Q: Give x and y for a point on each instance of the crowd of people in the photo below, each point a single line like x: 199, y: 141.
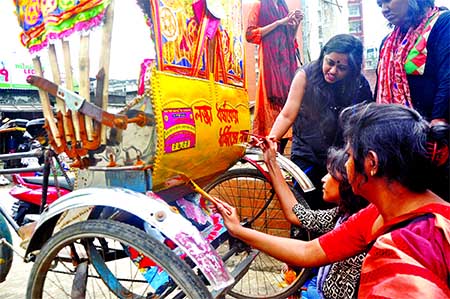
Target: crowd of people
x: 382, y: 158
x: 405, y: 228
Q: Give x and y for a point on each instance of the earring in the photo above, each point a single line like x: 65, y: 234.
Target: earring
x: 372, y: 172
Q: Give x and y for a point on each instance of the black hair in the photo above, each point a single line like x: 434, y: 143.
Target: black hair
x: 348, y: 87
x: 417, y: 9
x: 344, y: 44
x: 401, y: 139
x: 349, y: 203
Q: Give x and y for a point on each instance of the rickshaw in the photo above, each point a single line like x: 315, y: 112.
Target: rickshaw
x: 11, y: 136
x: 139, y: 223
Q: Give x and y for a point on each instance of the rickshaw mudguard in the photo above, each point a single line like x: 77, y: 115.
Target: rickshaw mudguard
x: 6, y: 253
x: 78, y: 205
x: 255, y: 154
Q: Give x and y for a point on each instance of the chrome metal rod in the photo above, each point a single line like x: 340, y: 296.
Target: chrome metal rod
x: 21, y: 169
x: 14, y: 156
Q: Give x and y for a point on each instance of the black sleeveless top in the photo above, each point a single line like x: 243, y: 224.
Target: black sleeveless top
x: 316, y: 127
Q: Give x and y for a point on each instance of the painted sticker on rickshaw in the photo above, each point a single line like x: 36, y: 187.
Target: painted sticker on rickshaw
x: 179, y: 129
x: 196, y: 209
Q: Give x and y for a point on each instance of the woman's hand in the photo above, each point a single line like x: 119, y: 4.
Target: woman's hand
x: 269, y: 146
x: 295, y: 17
x: 283, y: 21
x: 229, y: 215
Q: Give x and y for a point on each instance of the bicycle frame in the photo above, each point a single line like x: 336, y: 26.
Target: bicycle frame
x: 81, y: 205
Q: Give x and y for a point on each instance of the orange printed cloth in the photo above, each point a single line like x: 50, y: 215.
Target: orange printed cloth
x: 410, y: 262
x: 277, y: 62
x: 403, y: 54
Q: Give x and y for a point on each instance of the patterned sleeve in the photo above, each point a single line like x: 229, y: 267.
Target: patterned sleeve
x: 253, y: 32
x: 319, y: 221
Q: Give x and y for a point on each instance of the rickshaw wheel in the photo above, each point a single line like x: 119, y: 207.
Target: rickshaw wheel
x: 252, y: 194
x: 90, y: 259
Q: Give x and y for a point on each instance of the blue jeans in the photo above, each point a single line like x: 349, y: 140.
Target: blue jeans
x: 311, y: 289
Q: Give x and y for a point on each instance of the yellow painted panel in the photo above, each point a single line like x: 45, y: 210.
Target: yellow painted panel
x: 201, y: 125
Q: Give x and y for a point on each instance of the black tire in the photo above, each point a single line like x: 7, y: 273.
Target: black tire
x: 53, y: 270
x: 249, y: 191
x: 6, y: 253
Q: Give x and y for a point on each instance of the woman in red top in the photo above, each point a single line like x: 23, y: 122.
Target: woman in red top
x: 392, y: 150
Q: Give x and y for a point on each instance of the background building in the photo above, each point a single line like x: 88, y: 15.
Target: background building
x: 326, y: 18
x: 323, y: 19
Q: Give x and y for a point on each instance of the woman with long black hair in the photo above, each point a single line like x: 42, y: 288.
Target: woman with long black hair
x: 319, y: 91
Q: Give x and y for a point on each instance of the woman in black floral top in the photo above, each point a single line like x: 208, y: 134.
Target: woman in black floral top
x: 338, y: 280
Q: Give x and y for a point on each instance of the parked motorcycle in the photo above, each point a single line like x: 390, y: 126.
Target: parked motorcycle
x: 29, y: 180
x: 28, y: 192
x: 11, y: 136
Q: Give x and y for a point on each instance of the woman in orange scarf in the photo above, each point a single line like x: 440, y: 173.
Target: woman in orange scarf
x: 413, y: 68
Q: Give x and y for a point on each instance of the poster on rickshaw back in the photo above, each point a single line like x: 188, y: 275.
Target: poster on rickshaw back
x: 198, y: 88
x: 179, y: 129
x: 182, y: 30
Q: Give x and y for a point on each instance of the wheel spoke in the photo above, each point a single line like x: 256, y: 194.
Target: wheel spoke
x: 107, y: 276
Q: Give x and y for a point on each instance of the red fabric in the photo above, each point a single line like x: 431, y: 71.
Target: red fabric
x: 393, y: 87
x: 351, y: 237
x: 356, y: 232
x: 412, y: 260
x: 278, y: 56
x: 277, y: 63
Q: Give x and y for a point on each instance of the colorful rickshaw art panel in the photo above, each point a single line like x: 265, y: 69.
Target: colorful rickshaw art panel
x: 196, y: 38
